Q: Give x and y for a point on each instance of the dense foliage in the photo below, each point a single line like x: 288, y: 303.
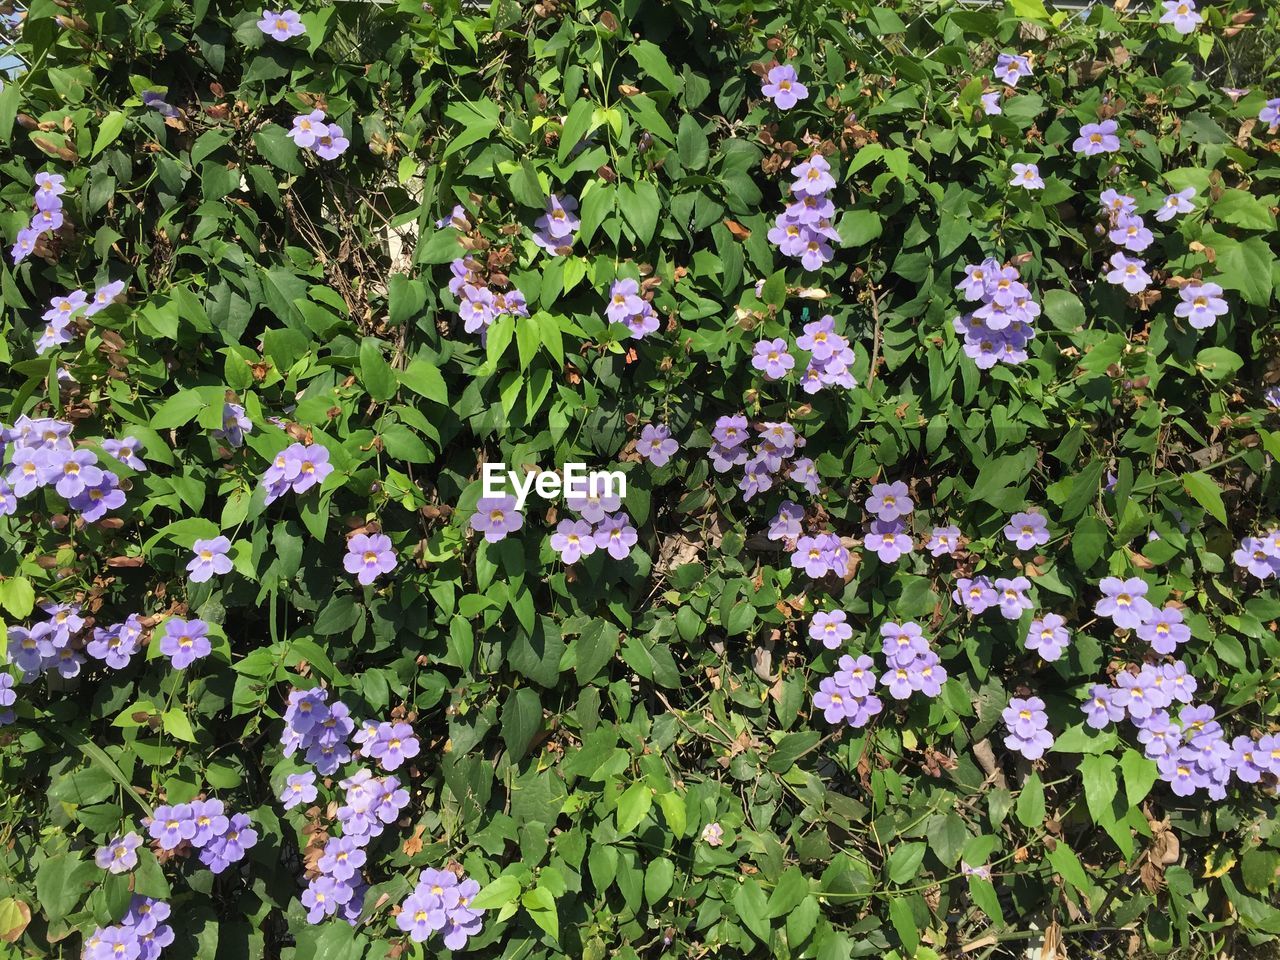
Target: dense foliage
x: 935, y: 345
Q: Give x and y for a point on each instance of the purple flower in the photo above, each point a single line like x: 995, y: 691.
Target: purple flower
x: 830, y: 628
x: 1027, y: 176
x: 120, y: 855
x: 209, y: 559
x: 49, y: 189
x: 772, y: 359
x: 902, y: 643
x: 185, y: 641
x: 308, y: 128
x: 24, y: 245
x: 1048, y: 636
x: 230, y: 847
x: 127, y: 451
x: 1027, y: 724
x: 1164, y: 630
x: 943, y: 540
x: 1027, y: 530
x: 976, y: 594
x: 555, y: 229
x: 1096, y: 138
x: 342, y: 859
x: 890, y: 501
x: 656, y: 444
x: 888, y: 540
x: 496, y: 517
x: 332, y: 143
x: 1133, y: 693
x: 1201, y: 304
x: 155, y: 100
x: 1101, y: 709
x: 323, y: 896
x: 1182, y: 15
x: 783, y: 87
x: 368, y: 556
x: 1248, y: 765
x: 1010, y: 68
x: 624, y: 301
x: 1179, y: 770
x: 1131, y: 233
x: 7, y: 697
x: 1253, y: 556
x: 117, y: 644
x: 282, y: 25
x: 75, y: 471
x: 1128, y: 272
x: 810, y: 557
x: 616, y: 535
x: 1117, y: 204
x: 234, y: 425
x: 1124, y: 601
x: 1270, y: 114
x: 145, y: 915
x: 170, y: 825
x: 786, y: 524
x: 46, y: 221
x: 114, y: 943
x: 210, y: 821
x: 991, y: 103
x: 298, y: 788
x: 813, y: 177
x: 1011, y: 595
x: 93, y: 502
x: 573, y: 540
x: 393, y: 744
x: 1176, y: 203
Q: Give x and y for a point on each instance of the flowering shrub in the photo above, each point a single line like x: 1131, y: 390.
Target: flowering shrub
x: 935, y: 346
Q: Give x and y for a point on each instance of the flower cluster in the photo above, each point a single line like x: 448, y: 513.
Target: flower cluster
x: 58, y: 327
x: 48, y: 645
x: 1007, y: 594
x: 115, y: 645
x: 297, y: 467
x: 1027, y: 723
x: 339, y: 886
x: 913, y: 666
x: 892, y: 506
x: 221, y: 839
x: 830, y: 356
x: 820, y: 555
x: 141, y: 933
x: 612, y: 532
x: 319, y: 728
x: 441, y: 902
x: 312, y: 132
x: 774, y: 453
x: 554, y: 231
x: 479, y: 305
x: 371, y: 803
x: 391, y: 744
x: 848, y: 695
x: 41, y: 454
x: 803, y: 230
x: 48, y: 216
x: 999, y: 330
x: 1260, y: 555
x: 628, y: 307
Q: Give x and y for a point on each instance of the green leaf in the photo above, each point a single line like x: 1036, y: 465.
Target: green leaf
x: 691, y: 143
x: 375, y: 373
x: 904, y: 862
x: 277, y: 149
x: 593, y: 648
x: 654, y: 64
x: 633, y: 806
x: 1030, y: 808
x: 791, y: 889
x: 1029, y: 10
x: 177, y: 725
x: 180, y: 409
x: 61, y: 882
x: 753, y: 909
x: 1207, y: 493
x: 640, y: 207
x: 108, y: 131
x: 1217, y: 363
x: 502, y: 891
x: 525, y: 186
x: 1098, y: 771
x: 423, y: 378
x: 18, y: 596
x: 1139, y: 776
x: 521, y: 720
x: 657, y: 880
x: 576, y: 126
